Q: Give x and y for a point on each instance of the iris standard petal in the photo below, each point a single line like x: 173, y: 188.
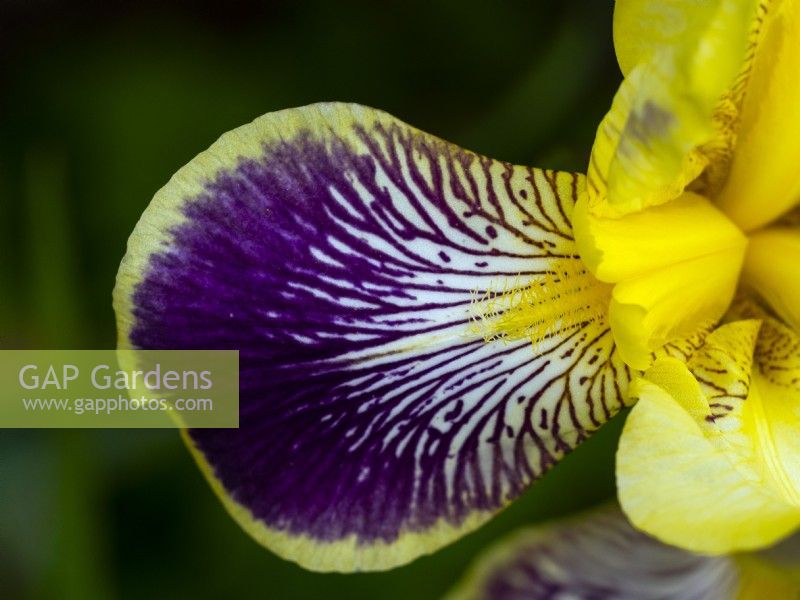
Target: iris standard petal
x: 649, y: 146
x: 635, y: 162
x: 641, y: 27
x: 343, y: 253
x: 764, y: 181
x: 598, y: 555
x: 697, y: 465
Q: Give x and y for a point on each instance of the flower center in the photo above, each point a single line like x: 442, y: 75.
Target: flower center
x: 567, y: 297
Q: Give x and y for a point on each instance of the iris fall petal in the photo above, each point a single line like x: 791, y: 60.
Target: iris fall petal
x: 341, y: 252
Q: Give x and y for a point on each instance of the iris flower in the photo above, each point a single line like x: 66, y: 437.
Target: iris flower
x: 424, y: 331
x: 600, y: 555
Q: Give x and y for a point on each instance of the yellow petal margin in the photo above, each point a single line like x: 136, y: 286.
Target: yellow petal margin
x: 647, y: 148
x: 705, y: 459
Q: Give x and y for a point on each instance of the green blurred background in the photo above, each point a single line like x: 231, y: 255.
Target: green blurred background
x: 99, y: 104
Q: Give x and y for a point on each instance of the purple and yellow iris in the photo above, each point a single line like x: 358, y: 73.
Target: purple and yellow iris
x: 342, y: 253
x: 423, y: 332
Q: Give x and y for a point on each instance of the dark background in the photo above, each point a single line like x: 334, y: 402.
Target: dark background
x: 99, y: 104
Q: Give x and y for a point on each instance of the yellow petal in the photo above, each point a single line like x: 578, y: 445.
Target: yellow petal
x: 697, y: 481
x: 641, y: 27
x: 676, y: 486
x: 650, y: 310
x: 758, y: 415
x: 764, y: 181
x: 772, y: 268
x: 642, y: 242
x: 774, y: 422
x: 644, y: 151
x: 647, y: 147
x: 778, y: 355
x: 676, y: 267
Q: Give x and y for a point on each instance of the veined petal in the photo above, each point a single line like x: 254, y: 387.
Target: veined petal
x: 648, y: 147
x: 597, y: 555
x: 341, y: 251
x: 771, y: 268
x: 761, y: 431
x: 778, y: 355
x: 697, y: 464
x: 764, y: 181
